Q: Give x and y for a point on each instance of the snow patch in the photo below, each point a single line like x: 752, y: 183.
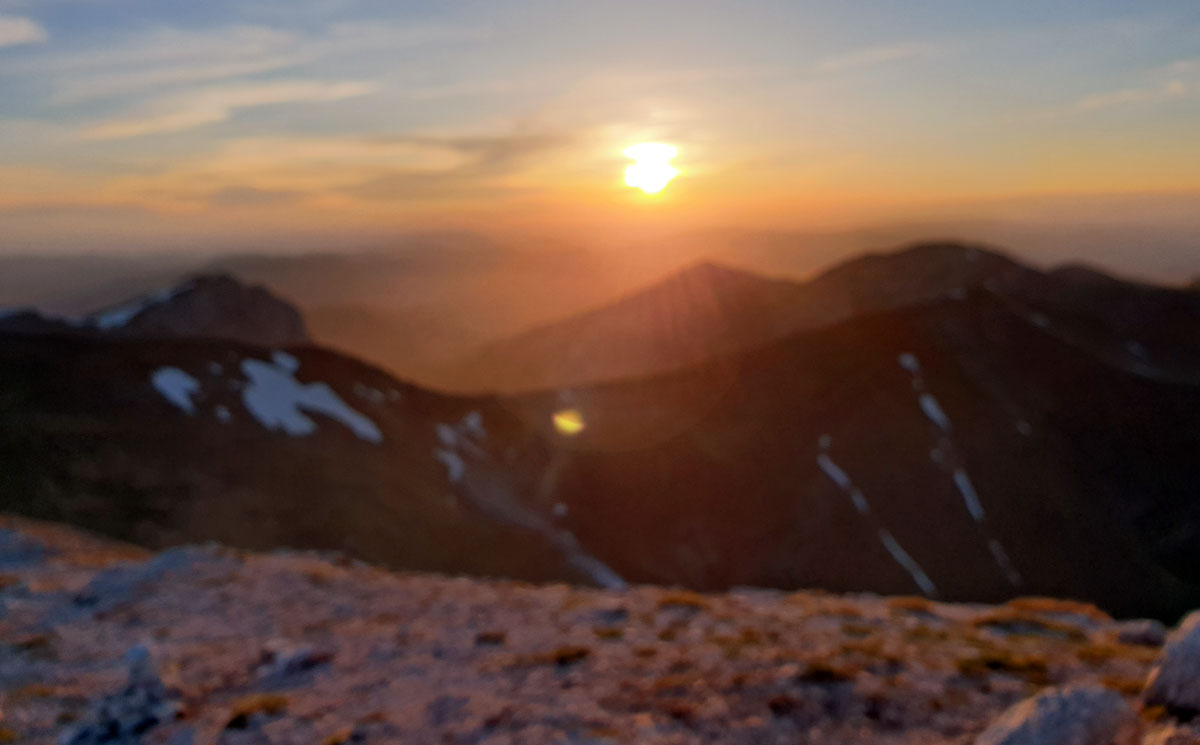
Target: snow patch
x: 933, y: 410
x: 369, y: 394
x: 473, y: 424
x: 969, y: 495
x: 560, y: 510
x: 224, y: 416
x: 825, y: 442
x: 456, y: 468
x: 216, y: 368
x: 285, y: 361
x: 910, y: 565
x: 177, y: 387
x: 910, y: 362
x: 118, y: 317
x: 278, y: 401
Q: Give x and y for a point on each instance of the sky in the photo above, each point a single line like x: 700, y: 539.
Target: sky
x: 143, y: 124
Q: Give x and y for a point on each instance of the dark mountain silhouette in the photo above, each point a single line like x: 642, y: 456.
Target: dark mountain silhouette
x: 709, y: 309
x: 1008, y: 435
x: 161, y: 442
x: 207, y: 306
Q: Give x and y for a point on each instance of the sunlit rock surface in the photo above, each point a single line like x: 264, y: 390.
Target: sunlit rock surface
x: 209, y: 645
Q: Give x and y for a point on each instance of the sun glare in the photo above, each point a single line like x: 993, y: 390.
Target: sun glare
x: 569, y: 422
x: 651, y: 170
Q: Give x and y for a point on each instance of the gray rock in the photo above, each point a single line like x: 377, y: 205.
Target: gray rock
x: 124, y: 717
x: 1066, y: 716
x: 1144, y: 632
x: 1175, y: 683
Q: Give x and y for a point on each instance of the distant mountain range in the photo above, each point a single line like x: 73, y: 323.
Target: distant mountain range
x: 709, y: 310
x: 942, y: 420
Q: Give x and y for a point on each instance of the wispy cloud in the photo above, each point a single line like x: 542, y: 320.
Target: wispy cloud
x: 874, y: 56
x: 213, y: 105
x: 482, y: 162
x: 16, y: 30
x: 169, y: 57
x: 1176, y: 81
x: 163, y: 58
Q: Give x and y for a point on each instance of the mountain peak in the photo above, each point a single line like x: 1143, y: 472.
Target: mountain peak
x: 949, y: 251
x: 210, y: 306
x: 711, y: 271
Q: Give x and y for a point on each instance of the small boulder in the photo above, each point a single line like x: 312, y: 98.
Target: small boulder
x: 1066, y: 716
x: 1175, y: 682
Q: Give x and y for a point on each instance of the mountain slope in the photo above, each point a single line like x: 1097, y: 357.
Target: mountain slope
x: 980, y: 446
x: 957, y: 446
x: 709, y: 310
x: 161, y: 442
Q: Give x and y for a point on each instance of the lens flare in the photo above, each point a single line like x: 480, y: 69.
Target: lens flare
x: 651, y: 170
x: 569, y: 422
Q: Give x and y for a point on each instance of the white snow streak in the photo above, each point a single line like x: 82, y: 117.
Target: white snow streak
x: 933, y: 410
x: 118, y: 317
x: 910, y: 362
x: 970, y: 497
x: 834, y: 472
x: 278, y: 401
x: 910, y: 565
x: 844, y: 482
x: 1005, y: 563
x: 177, y: 387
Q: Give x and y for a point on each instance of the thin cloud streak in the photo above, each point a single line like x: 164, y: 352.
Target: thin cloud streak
x: 215, y: 105
x: 874, y: 56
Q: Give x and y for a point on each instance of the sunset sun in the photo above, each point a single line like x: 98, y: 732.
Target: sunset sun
x: 651, y: 170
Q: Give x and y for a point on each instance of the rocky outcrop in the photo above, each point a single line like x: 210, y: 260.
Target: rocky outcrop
x: 211, y: 307
x: 302, y: 648
x: 1175, y: 683
x: 1070, y: 716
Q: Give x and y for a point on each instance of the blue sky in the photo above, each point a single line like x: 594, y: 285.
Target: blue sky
x: 383, y: 115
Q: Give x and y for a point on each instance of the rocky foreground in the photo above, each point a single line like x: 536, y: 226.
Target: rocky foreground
x: 100, y: 643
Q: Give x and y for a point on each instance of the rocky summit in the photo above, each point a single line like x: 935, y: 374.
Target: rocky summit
x: 108, y: 644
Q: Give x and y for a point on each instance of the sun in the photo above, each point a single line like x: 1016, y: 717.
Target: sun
x: 651, y: 170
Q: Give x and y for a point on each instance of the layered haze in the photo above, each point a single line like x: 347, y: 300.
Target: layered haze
x: 315, y: 125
